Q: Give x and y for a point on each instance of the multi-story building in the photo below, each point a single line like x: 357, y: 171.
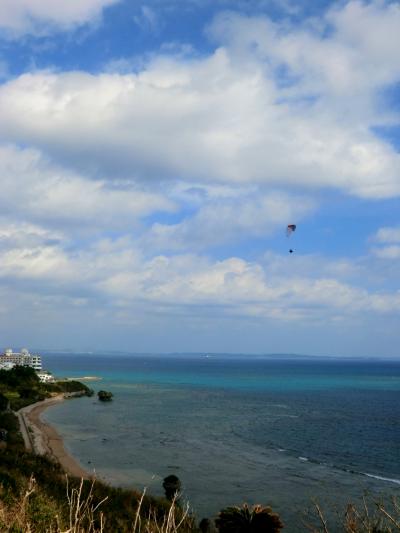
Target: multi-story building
x: 10, y: 358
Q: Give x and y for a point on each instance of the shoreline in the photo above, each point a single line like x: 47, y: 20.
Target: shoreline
x: 43, y: 439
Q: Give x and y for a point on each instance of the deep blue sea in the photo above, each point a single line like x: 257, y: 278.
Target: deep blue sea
x: 272, y: 430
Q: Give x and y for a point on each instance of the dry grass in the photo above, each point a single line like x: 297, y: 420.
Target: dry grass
x: 370, y: 517
x: 83, y: 513
x: 15, y: 515
x: 84, y: 516
x: 173, y: 522
x: 34, y: 512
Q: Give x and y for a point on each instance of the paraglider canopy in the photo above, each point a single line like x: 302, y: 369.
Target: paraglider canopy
x: 290, y: 229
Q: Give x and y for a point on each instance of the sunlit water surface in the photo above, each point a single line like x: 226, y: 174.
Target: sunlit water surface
x: 233, y: 429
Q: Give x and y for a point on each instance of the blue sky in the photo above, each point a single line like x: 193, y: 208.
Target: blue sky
x: 152, y: 155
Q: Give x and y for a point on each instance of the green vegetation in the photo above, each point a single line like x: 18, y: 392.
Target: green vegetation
x: 20, y: 386
x: 68, y: 386
x: 172, y: 486
x: 4, y: 402
x: 256, y: 519
x: 105, y: 396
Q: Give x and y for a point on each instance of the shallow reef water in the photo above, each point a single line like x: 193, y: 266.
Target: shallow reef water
x: 272, y: 430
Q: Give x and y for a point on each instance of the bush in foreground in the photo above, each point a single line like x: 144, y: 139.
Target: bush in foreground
x: 172, y: 486
x: 245, y: 519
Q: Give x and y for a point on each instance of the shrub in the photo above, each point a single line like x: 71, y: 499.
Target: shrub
x: 244, y: 519
x: 172, y: 486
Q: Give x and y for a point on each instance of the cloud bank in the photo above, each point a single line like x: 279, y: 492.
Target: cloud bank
x: 145, y: 192
x: 44, y: 16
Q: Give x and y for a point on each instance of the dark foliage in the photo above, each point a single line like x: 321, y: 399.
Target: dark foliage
x: 3, y: 402
x: 206, y: 526
x: 21, y: 387
x: 105, y: 396
x: 244, y: 519
x: 172, y: 486
x: 67, y: 386
x: 19, y: 375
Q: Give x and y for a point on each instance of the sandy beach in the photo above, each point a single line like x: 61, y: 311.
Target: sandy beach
x: 43, y: 439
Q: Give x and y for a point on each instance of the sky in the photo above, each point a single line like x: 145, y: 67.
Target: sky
x: 153, y: 153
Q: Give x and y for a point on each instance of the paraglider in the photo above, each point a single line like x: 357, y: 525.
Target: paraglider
x: 291, y: 228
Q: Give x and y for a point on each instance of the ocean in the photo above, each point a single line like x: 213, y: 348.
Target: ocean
x: 276, y: 430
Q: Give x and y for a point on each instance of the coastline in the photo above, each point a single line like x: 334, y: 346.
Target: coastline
x: 43, y: 439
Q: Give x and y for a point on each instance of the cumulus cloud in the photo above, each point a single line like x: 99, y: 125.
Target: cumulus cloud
x: 268, y: 107
x: 34, y: 188
x: 15, y: 235
x: 41, y: 16
x: 387, y: 235
x: 388, y: 243
x: 387, y: 252
x: 117, y: 187
x: 223, y: 220
x: 117, y: 272
x: 348, y: 51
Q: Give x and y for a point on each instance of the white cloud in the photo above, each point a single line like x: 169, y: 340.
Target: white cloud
x: 40, y: 16
x: 227, y: 147
x: 272, y: 106
x: 117, y: 272
x: 388, y: 240
x: 242, y: 288
x: 23, y: 234
x: 47, y: 263
x: 119, y: 124
x: 223, y: 220
x: 387, y: 235
x: 349, y: 50
x: 387, y: 252
x: 35, y: 188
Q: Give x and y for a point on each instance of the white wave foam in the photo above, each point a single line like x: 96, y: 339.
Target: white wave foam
x: 381, y: 478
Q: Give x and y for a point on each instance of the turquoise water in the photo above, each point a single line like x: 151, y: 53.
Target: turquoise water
x: 262, y: 430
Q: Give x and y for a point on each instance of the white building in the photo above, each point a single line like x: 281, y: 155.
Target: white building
x: 23, y: 358
x: 45, y: 377
x: 6, y: 365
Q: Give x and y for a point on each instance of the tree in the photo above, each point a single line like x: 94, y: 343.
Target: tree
x: 257, y: 519
x: 104, y: 396
x: 19, y: 376
x: 172, y: 487
x: 26, y: 392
